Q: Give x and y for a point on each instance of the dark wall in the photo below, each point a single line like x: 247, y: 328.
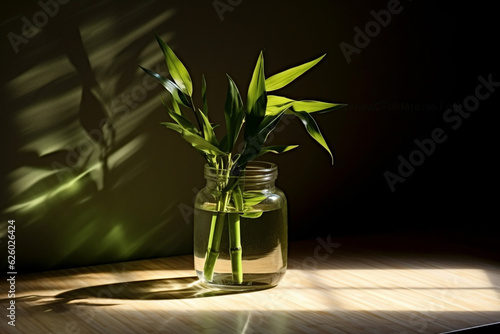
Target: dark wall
x: 85, y: 190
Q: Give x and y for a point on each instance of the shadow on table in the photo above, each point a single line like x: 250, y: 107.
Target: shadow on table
x: 168, y: 288
x: 157, y: 289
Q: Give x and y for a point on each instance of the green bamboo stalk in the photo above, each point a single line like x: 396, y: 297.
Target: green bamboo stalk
x: 216, y: 228
x: 213, y: 247
x: 211, y: 235
x: 213, y: 250
x: 235, y: 247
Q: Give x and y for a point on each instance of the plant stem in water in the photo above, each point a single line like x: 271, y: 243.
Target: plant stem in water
x: 213, y: 247
x: 217, y: 225
x: 235, y: 247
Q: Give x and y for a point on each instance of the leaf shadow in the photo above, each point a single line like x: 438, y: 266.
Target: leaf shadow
x: 99, y: 295
x: 158, y: 289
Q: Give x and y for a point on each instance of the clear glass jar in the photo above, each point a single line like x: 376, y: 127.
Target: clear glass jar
x: 240, y: 228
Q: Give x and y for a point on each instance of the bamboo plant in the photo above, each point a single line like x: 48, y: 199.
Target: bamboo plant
x: 256, y: 119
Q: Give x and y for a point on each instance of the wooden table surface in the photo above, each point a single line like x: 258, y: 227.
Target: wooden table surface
x: 330, y: 287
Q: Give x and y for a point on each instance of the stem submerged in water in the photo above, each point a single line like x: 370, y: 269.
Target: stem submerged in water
x: 235, y: 247
x: 213, y: 249
x: 217, y: 225
x: 235, y: 236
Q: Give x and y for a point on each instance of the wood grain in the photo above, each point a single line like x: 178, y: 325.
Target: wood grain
x: 329, y: 288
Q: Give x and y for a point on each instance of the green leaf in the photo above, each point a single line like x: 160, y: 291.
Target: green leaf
x: 310, y: 106
x: 313, y: 129
x: 177, y: 70
x: 238, y: 199
x: 252, y: 215
x: 176, y: 110
x: 277, y: 103
x: 251, y: 199
x: 268, y: 124
x: 179, y: 119
x: 254, y: 144
x: 282, y: 79
x: 204, y: 95
x: 208, y: 130
x: 173, y: 89
x: 195, y: 140
x: 277, y: 149
x: 234, y: 114
x: 256, y: 98
x: 176, y: 107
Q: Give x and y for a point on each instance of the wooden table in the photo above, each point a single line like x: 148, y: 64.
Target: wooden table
x: 331, y: 287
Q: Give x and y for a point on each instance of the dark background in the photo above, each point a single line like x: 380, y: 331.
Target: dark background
x: 83, y: 193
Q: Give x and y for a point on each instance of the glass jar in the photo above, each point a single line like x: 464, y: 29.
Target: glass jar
x: 240, y: 228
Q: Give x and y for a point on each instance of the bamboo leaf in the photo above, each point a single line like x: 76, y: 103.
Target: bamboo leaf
x: 275, y: 104
x: 282, y: 79
x: 310, y: 106
x: 173, y: 89
x: 251, y: 199
x: 177, y: 70
x: 195, y: 140
x: 313, y: 129
x: 251, y: 202
x: 252, y: 215
x: 238, y: 199
x: 254, y: 144
x: 234, y: 114
x: 204, y: 95
x: 254, y: 120
x: 176, y: 110
x: 176, y: 107
x: 179, y: 118
x: 277, y: 149
x: 268, y: 124
x: 184, y: 122
x: 208, y: 130
x: 256, y: 98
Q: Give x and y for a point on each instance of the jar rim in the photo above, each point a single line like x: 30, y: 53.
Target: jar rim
x: 262, y: 170
x: 262, y: 166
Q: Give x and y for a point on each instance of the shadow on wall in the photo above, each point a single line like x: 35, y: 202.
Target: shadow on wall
x: 87, y: 175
